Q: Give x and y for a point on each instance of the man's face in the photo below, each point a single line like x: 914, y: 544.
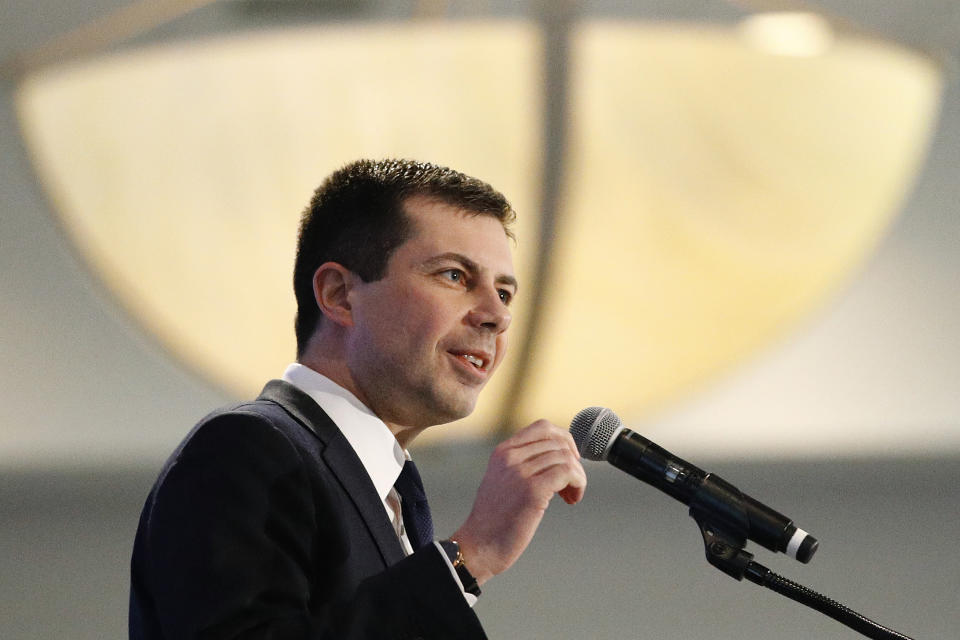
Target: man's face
x: 428, y: 336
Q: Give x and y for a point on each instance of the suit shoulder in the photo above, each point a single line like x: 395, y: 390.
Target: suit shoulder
x: 251, y: 415
x: 248, y: 431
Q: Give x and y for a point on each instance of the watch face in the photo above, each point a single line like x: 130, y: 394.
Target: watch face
x: 452, y: 548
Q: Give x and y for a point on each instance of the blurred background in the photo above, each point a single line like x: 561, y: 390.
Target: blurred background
x: 737, y: 229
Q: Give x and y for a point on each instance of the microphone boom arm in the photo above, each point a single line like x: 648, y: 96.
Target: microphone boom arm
x: 727, y: 517
x: 724, y: 543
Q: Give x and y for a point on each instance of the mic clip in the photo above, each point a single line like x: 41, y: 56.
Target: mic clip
x: 719, y: 511
x: 723, y: 550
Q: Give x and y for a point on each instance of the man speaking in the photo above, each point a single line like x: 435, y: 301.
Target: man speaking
x: 300, y: 514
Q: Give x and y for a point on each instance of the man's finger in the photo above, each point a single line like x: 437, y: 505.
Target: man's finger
x: 521, y: 454
x: 539, y: 430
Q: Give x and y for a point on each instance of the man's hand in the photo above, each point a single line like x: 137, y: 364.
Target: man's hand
x: 524, y: 472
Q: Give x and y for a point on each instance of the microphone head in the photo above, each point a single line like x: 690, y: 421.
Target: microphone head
x: 594, y: 429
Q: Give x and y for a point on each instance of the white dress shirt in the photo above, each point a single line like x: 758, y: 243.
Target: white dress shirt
x: 373, y: 442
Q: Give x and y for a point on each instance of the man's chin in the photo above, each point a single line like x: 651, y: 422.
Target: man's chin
x: 451, y: 409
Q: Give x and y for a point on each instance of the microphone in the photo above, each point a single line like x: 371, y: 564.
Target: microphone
x: 713, y: 502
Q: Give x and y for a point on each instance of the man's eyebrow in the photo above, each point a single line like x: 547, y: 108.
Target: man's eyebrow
x: 471, y: 266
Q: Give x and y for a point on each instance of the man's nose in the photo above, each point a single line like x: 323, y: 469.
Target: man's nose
x: 489, y: 311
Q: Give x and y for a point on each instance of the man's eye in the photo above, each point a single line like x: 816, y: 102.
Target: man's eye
x: 454, y: 275
x: 505, y: 296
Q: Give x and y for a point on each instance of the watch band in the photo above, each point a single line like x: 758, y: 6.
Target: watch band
x: 452, y: 549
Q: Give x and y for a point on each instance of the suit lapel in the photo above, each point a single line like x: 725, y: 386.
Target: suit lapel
x: 342, y: 461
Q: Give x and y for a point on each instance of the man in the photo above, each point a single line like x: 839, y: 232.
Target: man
x: 297, y: 515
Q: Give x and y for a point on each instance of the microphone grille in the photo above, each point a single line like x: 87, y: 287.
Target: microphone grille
x: 593, y: 429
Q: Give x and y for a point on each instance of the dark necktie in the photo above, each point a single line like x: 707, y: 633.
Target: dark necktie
x: 414, y: 507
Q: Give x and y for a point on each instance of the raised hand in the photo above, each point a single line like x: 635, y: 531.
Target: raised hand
x: 524, y: 473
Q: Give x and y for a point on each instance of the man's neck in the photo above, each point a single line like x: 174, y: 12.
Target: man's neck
x: 337, y: 371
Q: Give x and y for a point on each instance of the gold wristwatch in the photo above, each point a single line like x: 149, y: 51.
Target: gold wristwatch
x: 452, y: 549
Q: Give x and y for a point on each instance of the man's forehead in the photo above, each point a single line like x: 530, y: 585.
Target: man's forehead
x: 439, y: 229
x: 420, y: 207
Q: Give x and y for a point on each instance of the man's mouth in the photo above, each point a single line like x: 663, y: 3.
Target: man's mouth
x: 477, y: 360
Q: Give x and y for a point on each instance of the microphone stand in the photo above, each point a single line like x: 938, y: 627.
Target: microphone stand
x: 725, y: 551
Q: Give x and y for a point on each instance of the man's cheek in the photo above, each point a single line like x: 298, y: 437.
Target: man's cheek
x: 501, y: 352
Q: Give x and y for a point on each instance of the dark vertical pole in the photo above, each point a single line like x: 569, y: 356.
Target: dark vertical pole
x: 556, y: 18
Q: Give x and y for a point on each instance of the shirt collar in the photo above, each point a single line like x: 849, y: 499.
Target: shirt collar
x: 371, y: 439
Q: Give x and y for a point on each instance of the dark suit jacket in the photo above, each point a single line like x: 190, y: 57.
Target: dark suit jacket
x: 264, y: 524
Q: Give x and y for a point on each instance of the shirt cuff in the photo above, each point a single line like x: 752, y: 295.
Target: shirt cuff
x: 469, y: 597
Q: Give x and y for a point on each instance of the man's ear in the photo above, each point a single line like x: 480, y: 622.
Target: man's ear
x: 331, y: 286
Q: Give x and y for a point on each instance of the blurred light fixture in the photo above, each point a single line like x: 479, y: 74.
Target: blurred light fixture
x: 713, y: 195
x: 788, y: 33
